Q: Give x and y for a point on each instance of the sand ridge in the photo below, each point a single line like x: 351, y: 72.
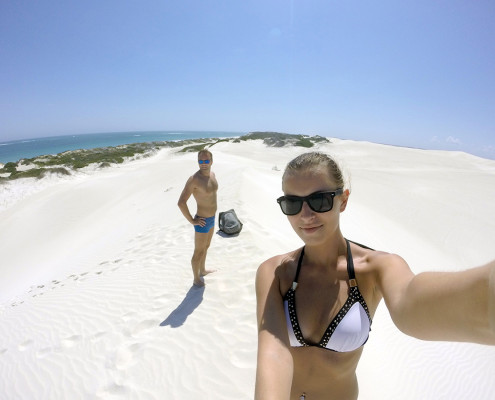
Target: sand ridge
x: 101, y: 304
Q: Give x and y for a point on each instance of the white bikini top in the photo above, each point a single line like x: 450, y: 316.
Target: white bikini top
x: 349, y: 329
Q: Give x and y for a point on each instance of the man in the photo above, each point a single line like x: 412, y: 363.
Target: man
x: 203, y: 186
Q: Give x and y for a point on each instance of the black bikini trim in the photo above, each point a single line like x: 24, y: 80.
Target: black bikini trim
x: 355, y: 296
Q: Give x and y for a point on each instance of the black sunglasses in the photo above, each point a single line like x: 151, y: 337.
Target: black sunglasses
x: 319, y: 202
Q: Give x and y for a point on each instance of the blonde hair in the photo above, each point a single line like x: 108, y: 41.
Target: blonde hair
x: 314, y: 160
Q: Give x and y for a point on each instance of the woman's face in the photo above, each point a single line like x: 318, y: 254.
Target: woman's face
x: 312, y: 227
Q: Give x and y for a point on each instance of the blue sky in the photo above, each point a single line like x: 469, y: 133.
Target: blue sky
x: 412, y: 73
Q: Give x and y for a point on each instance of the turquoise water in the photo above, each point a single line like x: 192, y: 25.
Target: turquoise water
x: 29, y: 148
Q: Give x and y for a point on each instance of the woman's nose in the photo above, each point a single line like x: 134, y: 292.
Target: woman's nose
x: 306, y: 211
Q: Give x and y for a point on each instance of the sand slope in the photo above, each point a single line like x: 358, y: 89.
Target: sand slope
x: 95, y: 280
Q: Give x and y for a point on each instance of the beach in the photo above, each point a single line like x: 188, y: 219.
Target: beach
x: 96, y: 296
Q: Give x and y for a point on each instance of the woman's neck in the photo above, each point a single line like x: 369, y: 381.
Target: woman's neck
x: 326, y: 253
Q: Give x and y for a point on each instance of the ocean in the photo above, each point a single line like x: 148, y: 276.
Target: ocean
x: 29, y: 148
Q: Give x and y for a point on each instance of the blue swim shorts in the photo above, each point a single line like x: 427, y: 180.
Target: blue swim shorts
x: 210, y: 223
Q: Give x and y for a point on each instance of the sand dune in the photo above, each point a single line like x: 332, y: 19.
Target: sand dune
x: 96, y: 299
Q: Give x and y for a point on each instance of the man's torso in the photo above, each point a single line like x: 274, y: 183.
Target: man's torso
x: 205, y: 193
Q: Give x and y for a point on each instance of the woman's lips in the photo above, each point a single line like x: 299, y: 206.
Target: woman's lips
x: 310, y: 229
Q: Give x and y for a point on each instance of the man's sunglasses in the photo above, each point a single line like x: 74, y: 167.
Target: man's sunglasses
x: 319, y: 202
x: 204, y: 161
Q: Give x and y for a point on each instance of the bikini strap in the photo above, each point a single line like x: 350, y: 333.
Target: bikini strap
x: 299, y: 263
x: 361, y: 245
x: 350, y: 266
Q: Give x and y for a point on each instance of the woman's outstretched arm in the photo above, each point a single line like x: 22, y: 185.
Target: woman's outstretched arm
x: 447, y: 306
x: 274, y: 366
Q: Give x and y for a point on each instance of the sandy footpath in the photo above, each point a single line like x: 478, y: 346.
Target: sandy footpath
x: 96, y: 299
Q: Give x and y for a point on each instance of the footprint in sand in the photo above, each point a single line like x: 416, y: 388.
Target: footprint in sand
x: 113, y: 391
x: 25, y: 345
x: 106, y: 263
x: 3, y: 351
x: 36, y: 288
x: 125, y: 356
x: 55, y: 282
x: 82, y: 277
x: 117, y: 266
x: 163, y: 298
x: 159, y: 302
x: 128, y: 316
x: 144, y: 326
x: 97, y: 336
x: 44, y: 352
x: 71, y: 341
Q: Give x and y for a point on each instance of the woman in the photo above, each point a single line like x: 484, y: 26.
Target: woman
x: 315, y: 305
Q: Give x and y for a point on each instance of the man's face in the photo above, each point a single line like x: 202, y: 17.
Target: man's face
x: 204, y: 162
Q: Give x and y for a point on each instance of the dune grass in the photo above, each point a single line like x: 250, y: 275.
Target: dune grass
x: 67, y: 162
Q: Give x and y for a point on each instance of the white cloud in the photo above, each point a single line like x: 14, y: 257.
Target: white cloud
x: 435, y: 139
x: 453, y: 140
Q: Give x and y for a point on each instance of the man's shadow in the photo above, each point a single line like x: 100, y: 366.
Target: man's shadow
x: 193, y: 299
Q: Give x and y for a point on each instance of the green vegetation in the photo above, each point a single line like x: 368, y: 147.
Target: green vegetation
x: 36, y: 173
x: 276, y: 139
x: 10, y: 167
x: 82, y: 158
x: 68, y: 161
x: 204, y: 144
x: 64, y: 162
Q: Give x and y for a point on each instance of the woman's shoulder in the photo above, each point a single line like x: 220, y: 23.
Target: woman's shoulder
x: 383, y: 259
x: 378, y: 264
x: 282, y: 266
x: 373, y: 258
x: 378, y: 270
x: 280, y: 261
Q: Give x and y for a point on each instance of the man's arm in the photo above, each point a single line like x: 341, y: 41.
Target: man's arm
x: 184, y: 197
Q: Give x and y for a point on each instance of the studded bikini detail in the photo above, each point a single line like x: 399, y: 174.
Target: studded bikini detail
x: 348, y: 330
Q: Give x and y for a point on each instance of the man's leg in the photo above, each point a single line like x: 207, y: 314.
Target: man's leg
x: 202, y: 270
x: 200, y: 243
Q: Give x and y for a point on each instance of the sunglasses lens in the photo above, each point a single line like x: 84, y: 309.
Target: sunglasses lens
x: 290, y: 206
x: 320, y: 202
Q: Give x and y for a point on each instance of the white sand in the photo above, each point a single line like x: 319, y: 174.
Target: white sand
x: 95, y: 278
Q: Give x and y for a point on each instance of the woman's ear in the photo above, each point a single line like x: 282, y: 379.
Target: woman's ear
x: 344, y: 197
